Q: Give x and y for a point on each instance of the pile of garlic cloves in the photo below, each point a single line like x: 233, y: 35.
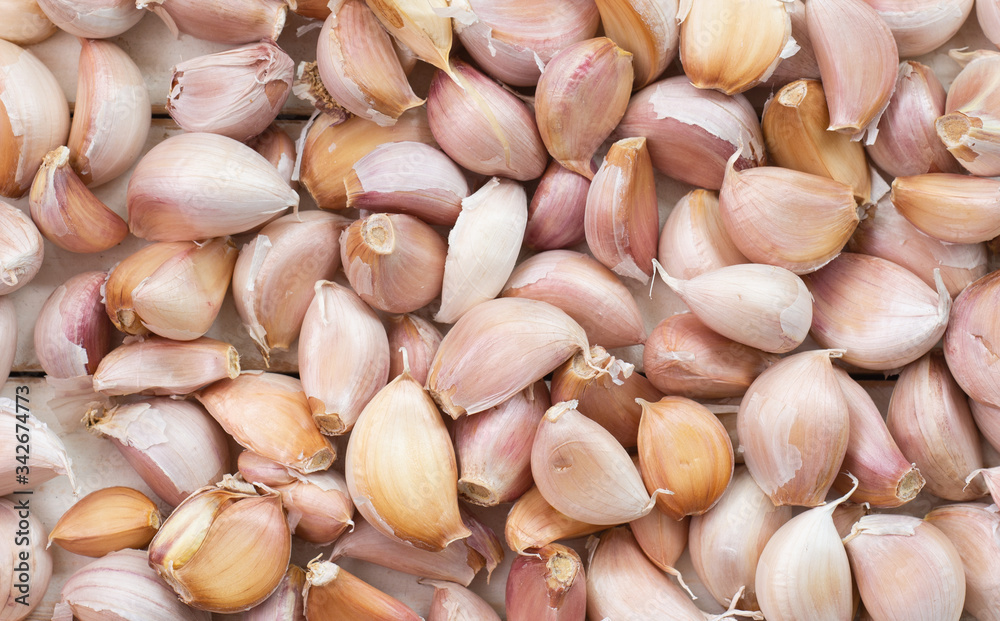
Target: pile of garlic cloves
x: 557, y: 310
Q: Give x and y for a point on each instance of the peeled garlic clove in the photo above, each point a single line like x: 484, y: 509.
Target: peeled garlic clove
x: 67, y: 213
x: 27, y: 563
x: 935, y: 586
x: 235, y: 23
x: 92, y: 20
x: 761, y: 306
x: 923, y: 26
x: 907, y: 142
x: 421, y: 340
x: 332, y: 593
x: 72, y: 330
x: 455, y: 603
x: 160, y: 366
x: 286, y: 603
x: 971, y: 128
x: 590, y: 75
x: 548, y: 587
x: 880, y: 313
x: 692, y: 132
x: 395, y: 262
x: 21, y: 248
x: 289, y: 437
x: 661, y: 538
x: 930, y: 420
x: 969, y: 340
x: 794, y: 428
x: 585, y: 290
x: 48, y: 458
x: 694, y: 239
x: 954, y: 208
x: 481, y: 362
x: 972, y: 528
x: 646, y: 28
x: 26, y: 24
x: 885, y: 233
x: 483, y: 247
x: 109, y: 519
x: 278, y: 148
x: 275, y: 273
x: 343, y: 356
x: 34, y: 118
x: 233, y: 189
x: 534, y: 523
x: 419, y: 26
x: 556, y: 211
x: 412, y: 494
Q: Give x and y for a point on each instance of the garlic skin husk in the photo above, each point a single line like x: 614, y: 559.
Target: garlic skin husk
x: 464, y: 377
x: 548, y: 586
x: 21, y: 249
x: 268, y: 414
x: 109, y: 519
x: 112, y: 114
x: 856, y: 98
x: 621, y: 220
x: 92, y: 20
x: 409, y: 495
x: 286, y: 603
x: 67, y: 213
x: 456, y: 603
x: 235, y: 93
x: 988, y: 16
x: 534, y: 523
x: 419, y: 337
x: 27, y: 561
x: 225, y: 548
x: 494, y: 448
x: 174, y: 445
x: 343, y: 356
x: 907, y: 142
x: 882, y: 314
x: 72, y: 330
x: 583, y: 288
x: 761, y: 306
x: 141, y: 293
x: 410, y: 178
x: 783, y: 217
x: 727, y: 541
x: 794, y: 427
x: 712, y: 42
x: 590, y: 75
x: 275, y: 273
x: 507, y: 38
x: 960, y: 209
x: 235, y: 23
x: 332, y: 593
x: 885, y: 233
x: 694, y: 239
x: 556, y: 211
x: 419, y: 26
x: 34, y: 118
x: 484, y: 127
x: 240, y: 191
x: 795, y: 125
x: 26, y: 24
x: 394, y: 262
x: 483, y: 247
x: 8, y: 337
x: 278, y: 148
x: 48, y: 458
x: 934, y: 589
x: 646, y: 28
x: 970, y: 129
x: 930, y: 420
x: 923, y: 26
x: 692, y: 132
x: 662, y: 539
x: 972, y: 528
x: 159, y: 366
x: 968, y: 341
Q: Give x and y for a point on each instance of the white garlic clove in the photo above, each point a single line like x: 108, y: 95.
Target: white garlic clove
x: 26, y: 23
x: 286, y: 603
x: 969, y: 340
x: 332, y: 593
x: 646, y: 28
x: 21, y: 249
x: 556, y: 211
x: 973, y: 529
x: 922, y: 26
x: 970, y: 129
x: 419, y: 337
x: 48, y: 458
x: 419, y: 26
x: 72, y: 330
x: 8, y: 337
x: 549, y: 585
x: 225, y: 21
x: 456, y: 603
x: 694, y: 239
x: 160, y: 366
x: 987, y: 420
x: 988, y: 16
x: 534, y: 523
x: 278, y: 148
x: 92, y: 20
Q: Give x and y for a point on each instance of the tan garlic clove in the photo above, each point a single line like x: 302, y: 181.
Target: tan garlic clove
x: 332, y: 593
x: 694, y: 239
x: 968, y: 342
x: 856, y: 98
x: 988, y: 16
x: 225, y: 548
x: 419, y: 26
x: 159, y: 366
x: 233, y: 189
x: 929, y: 419
x: 268, y: 414
x: 583, y: 288
x: 971, y: 128
x: 26, y: 23
x: 590, y: 75
x: 142, y: 292
x: 534, y: 523
x: 456, y: 603
x: 622, y: 218
x: 343, y: 356
x: 795, y: 125
x: 278, y: 148
x: 933, y: 589
x: 907, y: 142
x: 419, y: 337
x: 662, y: 539
x: 112, y: 116
x: 8, y: 337
x: 794, y: 428
x: 409, y: 178
x: 473, y: 370
x: 275, y: 273
x: 48, y: 457
x: 72, y: 330
x: 727, y: 541
x: 286, y: 603
x: 885, y: 233
x: 67, y: 213
x: 923, y: 26
x: 34, y: 118
x: 972, y: 528
x: 714, y: 49
x: 92, y: 20
x: 235, y: 23
x: 802, y: 64
x: 483, y: 247
x: 880, y: 313
x: 691, y: 132
x: 646, y: 28
x: 109, y: 519
x: 494, y: 448
x: 401, y: 468
x: 761, y: 306
x: 313, y: 9
x: 174, y: 445
x: 21, y: 249
x: 27, y: 563
x: 549, y: 586
x: 960, y: 209
x: 556, y: 211
x: 395, y: 262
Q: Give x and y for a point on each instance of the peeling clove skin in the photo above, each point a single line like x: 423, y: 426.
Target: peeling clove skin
x: 548, y: 587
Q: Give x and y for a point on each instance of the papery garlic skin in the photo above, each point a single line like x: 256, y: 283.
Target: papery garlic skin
x: 235, y: 23
x: 968, y: 343
x: 534, y: 523
x: 419, y: 337
x: 646, y: 28
x: 455, y: 603
x: 106, y: 520
x: 8, y: 337
x: 548, y: 586
x: 92, y: 20
x: 960, y: 209
x: 556, y: 211
x: 694, y: 239
x: 48, y: 458
x: 973, y: 530
x: 286, y: 603
x: 970, y: 129
x: 27, y: 562
x: 27, y: 23
x: 21, y: 249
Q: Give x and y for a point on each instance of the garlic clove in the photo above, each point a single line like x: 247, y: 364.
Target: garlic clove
x: 343, y: 356
x: 923, y: 26
x: 235, y: 23
x: 692, y: 132
x: 456, y: 603
x: 483, y: 247
x: 67, y: 213
x: 8, y: 337
x: 72, y: 330
x: 987, y: 420
x: 761, y: 306
x: 583, y: 288
x: 972, y: 528
x: 646, y: 28
x: 534, y: 523
x: 27, y: 24
x: 590, y: 75
x: 90, y: 20
x: 109, y: 519
x: 550, y: 585
x: 954, y: 208
x: 313, y: 9
x: 988, y: 16
x: 968, y: 341
x: 286, y: 603
x: 662, y: 539
x: 21, y: 249
x: 332, y: 593
x: 971, y: 128
x: 694, y: 239
x: 278, y: 148
x: 802, y: 64
x: 556, y: 211
x: 160, y: 366
x: 419, y: 337
x: 48, y: 458
x: 419, y: 26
